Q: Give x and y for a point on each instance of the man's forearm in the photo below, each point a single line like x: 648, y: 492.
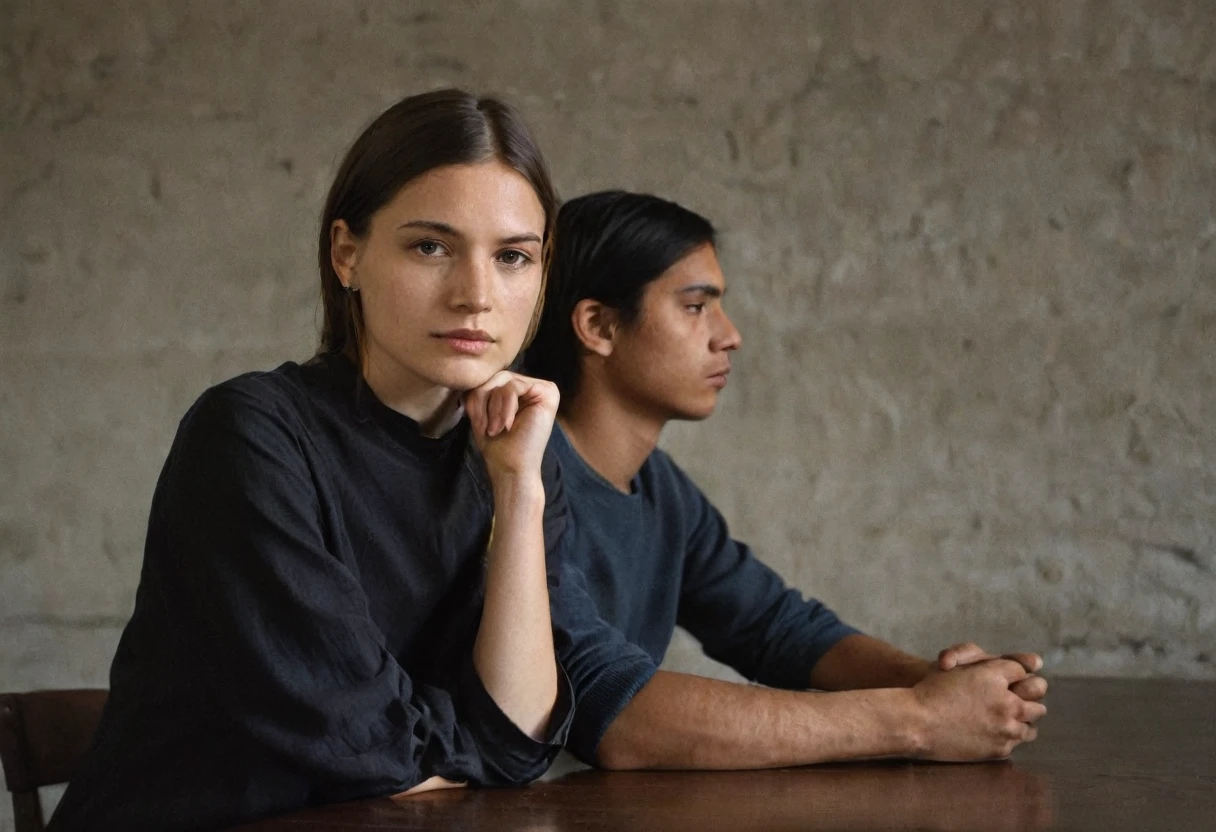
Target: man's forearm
x: 859, y: 661
x: 679, y: 721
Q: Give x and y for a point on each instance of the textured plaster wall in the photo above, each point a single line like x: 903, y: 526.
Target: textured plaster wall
x: 969, y: 244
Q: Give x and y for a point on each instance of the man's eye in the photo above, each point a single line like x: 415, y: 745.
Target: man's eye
x: 696, y: 308
x: 429, y: 248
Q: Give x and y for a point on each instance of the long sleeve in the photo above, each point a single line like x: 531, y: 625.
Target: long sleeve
x: 278, y: 631
x: 741, y: 610
x: 606, y: 669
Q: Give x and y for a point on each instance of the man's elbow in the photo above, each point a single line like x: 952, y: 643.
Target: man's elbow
x: 619, y: 754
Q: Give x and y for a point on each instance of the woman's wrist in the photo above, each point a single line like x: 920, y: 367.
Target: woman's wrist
x: 517, y: 491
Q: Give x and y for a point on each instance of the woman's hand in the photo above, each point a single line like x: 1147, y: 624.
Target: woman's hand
x: 429, y: 785
x: 512, y: 417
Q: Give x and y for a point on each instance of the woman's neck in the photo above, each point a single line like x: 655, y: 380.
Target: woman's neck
x: 435, y: 408
x: 611, y: 437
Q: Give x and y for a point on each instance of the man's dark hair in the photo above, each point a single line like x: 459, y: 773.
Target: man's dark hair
x: 607, y: 247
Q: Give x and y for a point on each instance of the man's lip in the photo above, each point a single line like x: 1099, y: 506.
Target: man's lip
x: 466, y: 335
x: 724, y: 372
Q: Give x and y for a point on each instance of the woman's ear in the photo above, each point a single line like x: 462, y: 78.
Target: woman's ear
x: 343, y: 252
x: 595, y: 325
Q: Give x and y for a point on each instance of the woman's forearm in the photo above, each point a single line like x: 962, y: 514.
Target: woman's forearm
x: 513, y: 653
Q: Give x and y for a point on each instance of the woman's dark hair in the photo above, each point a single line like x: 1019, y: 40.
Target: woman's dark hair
x: 416, y: 135
x: 610, y: 245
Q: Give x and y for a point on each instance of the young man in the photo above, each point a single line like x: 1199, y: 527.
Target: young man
x: 634, y: 334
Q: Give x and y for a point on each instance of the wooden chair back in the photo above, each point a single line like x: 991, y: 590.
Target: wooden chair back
x: 43, y: 736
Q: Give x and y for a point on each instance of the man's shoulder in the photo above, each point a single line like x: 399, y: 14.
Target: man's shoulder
x: 559, y: 446
x: 666, y: 481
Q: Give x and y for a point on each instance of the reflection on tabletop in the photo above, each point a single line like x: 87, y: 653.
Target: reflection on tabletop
x: 991, y: 796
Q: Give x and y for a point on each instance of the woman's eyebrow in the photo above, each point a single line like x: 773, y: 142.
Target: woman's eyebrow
x: 708, y: 289
x: 520, y: 238
x: 444, y: 228
x: 431, y: 225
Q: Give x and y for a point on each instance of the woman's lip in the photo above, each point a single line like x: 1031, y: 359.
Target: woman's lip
x: 718, y: 380
x: 466, y: 334
x: 466, y: 346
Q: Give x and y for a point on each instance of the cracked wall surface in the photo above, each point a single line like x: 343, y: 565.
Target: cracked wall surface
x: 969, y: 246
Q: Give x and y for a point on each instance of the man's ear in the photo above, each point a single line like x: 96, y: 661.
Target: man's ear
x: 595, y: 325
x: 344, y: 252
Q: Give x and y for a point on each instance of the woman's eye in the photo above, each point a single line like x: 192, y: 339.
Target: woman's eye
x: 428, y: 248
x: 695, y: 308
x: 513, y: 258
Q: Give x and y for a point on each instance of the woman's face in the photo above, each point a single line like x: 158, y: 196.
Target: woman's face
x: 672, y: 361
x: 449, y: 275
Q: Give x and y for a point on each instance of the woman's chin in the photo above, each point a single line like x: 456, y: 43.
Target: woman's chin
x: 464, y: 374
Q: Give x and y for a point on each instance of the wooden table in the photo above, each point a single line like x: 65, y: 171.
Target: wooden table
x: 1111, y: 755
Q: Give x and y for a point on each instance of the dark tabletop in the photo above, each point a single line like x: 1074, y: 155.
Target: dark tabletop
x: 1111, y: 754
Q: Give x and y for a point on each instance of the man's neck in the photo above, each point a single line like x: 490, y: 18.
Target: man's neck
x: 611, y: 437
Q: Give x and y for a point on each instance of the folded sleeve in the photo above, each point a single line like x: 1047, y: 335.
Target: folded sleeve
x: 278, y: 630
x: 743, y: 613
x: 605, y: 670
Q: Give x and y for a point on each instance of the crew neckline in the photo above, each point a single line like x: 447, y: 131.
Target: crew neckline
x: 405, y: 431
x: 584, y: 468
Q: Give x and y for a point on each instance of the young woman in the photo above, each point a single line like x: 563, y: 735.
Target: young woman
x: 344, y: 583
x: 634, y: 334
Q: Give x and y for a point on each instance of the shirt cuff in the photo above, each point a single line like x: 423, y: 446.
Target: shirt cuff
x: 601, y: 702
x: 511, y: 757
x: 817, y: 649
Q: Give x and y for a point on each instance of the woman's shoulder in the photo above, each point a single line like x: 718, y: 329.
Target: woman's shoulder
x: 252, y: 402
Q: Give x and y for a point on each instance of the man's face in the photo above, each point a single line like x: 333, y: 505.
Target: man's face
x: 673, y: 359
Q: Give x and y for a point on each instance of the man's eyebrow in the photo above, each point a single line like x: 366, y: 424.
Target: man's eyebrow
x: 707, y: 289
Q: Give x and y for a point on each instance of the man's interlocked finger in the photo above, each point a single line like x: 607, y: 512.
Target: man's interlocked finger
x: 1032, y: 688
x: 1032, y: 712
